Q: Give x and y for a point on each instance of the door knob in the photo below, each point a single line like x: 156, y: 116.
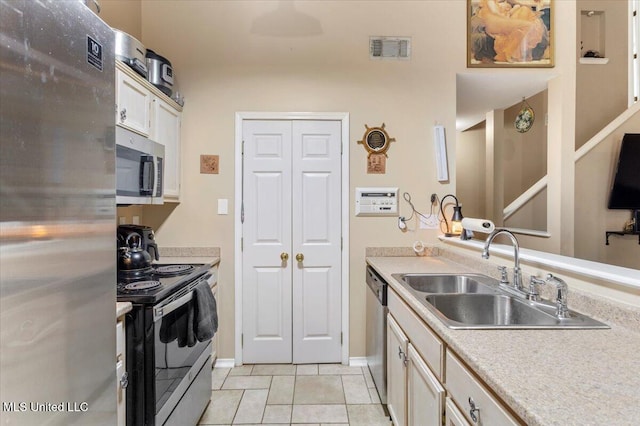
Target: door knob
x: 284, y: 256
x: 299, y: 257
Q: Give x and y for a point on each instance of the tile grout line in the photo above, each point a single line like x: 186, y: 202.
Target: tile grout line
x: 344, y: 394
x: 293, y: 395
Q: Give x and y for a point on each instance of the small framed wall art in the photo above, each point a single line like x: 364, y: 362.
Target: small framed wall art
x: 209, y: 164
x: 377, y: 164
x: 510, y: 33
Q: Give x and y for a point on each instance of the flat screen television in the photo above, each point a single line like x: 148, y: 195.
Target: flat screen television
x: 625, y: 191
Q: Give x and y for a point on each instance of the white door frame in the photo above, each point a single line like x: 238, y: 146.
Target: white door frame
x: 337, y: 116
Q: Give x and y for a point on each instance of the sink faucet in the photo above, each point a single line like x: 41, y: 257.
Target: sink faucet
x: 562, y: 311
x: 517, y: 274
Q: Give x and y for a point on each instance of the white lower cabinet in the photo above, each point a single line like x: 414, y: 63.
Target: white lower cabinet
x: 414, y: 394
x: 418, y: 364
x: 214, y: 340
x: 121, y: 373
x: 397, y: 344
x: 477, y: 404
x: 453, y: 416
x: 425, y: 395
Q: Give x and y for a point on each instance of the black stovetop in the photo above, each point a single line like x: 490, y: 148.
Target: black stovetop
x: 160, y: 282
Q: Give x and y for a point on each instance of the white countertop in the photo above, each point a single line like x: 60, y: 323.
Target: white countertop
x: 187, y: 259
x: 122, y: 308
x: 547, y: 377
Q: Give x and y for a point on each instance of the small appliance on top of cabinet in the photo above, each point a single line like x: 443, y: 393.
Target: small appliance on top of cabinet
x: 160, y: 72
x: 130, y: 51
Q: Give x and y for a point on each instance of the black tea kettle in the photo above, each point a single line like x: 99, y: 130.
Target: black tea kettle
x: 147, y: 241
x: 130, y: 256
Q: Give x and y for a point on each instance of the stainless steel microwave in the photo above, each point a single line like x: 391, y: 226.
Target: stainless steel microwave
x: 139, y: 169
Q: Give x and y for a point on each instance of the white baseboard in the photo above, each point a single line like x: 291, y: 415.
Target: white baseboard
x: 358, y: 361
x: 225, y: 363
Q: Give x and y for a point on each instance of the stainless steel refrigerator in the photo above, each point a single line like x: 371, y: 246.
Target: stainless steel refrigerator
x: 57, y: 215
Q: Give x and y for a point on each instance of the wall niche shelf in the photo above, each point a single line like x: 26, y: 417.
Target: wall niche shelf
x: 592, y: 37
x: 594, y: 61
x: 622, y: 233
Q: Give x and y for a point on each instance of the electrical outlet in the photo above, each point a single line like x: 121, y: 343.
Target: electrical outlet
x: 434, y: 197
x: 430, y: 222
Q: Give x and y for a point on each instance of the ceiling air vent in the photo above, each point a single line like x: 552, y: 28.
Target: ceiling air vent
x: 390, y: 48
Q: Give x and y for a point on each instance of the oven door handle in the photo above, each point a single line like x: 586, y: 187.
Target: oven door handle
x: 161, y: 311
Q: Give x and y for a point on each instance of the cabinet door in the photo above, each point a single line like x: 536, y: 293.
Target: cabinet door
x: 397, y: 344
x: 475, y: 400
x: 121, y: 393
x: 133, y: 104
x: 165, y: 129
x: 121, y: 374
x: 214, y: 340
x: 425, y: 395
x: 453, y: 416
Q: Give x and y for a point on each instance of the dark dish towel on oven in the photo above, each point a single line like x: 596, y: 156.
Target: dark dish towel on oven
x: 205, y: 312
x: 178, y: 324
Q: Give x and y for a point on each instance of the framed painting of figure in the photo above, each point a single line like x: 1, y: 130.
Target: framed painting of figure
x: 510, y: 33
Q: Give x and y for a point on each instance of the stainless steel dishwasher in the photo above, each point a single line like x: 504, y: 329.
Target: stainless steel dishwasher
x: 377, y: 332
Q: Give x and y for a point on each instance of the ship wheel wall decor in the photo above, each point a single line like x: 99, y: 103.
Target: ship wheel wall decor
x: 376, y: 140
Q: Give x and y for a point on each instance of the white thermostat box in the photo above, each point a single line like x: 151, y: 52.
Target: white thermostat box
x: 376, y: 201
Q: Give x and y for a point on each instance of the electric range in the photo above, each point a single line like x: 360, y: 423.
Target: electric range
x: 169, y: 375
x: 158, y: 282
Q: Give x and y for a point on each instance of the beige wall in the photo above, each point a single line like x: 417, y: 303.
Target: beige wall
x: 222, y: 67
x: 524, y: 154
x: 594, y: 173
x: 602, y: 90
x: 470, y: 170
x: 124, y: 15
x: 523, y: 164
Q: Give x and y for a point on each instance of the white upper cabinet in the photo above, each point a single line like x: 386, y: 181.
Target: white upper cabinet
x: 133, y: 104
x: 144, y: 109
x: 165, y: 129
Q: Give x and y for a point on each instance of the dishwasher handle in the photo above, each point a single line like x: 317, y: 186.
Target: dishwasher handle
x: 377, y: 285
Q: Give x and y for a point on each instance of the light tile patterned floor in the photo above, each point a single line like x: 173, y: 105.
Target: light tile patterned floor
x: 301, y: 395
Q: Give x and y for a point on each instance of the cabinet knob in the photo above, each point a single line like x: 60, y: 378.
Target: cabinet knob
x: 123, y: 114
x: 124, y: 380
x: 284, y: 256
x: 473, y: 410
x: 299, y: 257
x: 402, y: 356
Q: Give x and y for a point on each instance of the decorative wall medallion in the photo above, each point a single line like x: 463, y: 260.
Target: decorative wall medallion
x: 376, y: 140
x: 525, y: 118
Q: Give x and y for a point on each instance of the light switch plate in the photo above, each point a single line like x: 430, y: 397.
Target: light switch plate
x: 223, y: 206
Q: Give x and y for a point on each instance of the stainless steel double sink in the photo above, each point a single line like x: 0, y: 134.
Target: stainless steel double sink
x: 474, y: 301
